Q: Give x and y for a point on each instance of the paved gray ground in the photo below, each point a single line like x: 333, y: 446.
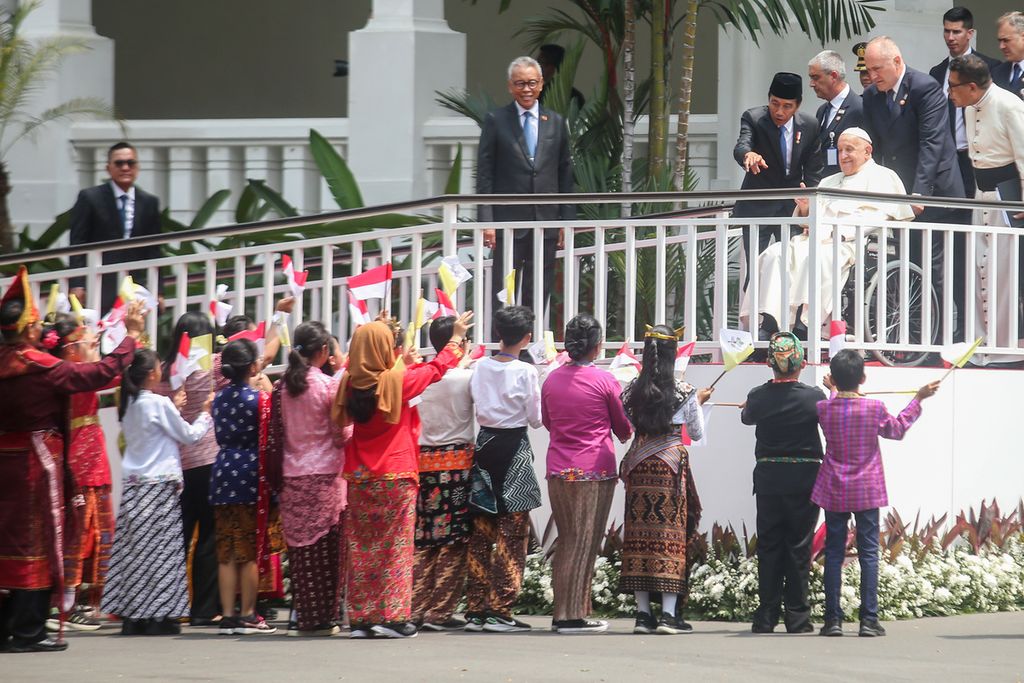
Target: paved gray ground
x: 984, y: 647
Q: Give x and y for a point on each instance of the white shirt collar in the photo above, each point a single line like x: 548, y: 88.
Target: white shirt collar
x: 899, y: 81
x: 788, y: 126
x: 118, y: 191
x: 838, y: 100
x: 535, y: 110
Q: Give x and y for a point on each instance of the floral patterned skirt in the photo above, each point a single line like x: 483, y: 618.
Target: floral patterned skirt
x: 382, y: 520
x: 442, y: 506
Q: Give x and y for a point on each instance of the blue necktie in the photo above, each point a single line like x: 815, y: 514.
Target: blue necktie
x: 890, y: 101
x: 782, y: 147
x: 529, y: 134
x: 1015, y: 81
x: 127, y: 229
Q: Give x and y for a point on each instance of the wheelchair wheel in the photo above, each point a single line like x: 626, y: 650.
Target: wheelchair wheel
x: 890, y: 331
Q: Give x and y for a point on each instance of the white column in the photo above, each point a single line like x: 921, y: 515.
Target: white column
x: 44, y: 170
x: 187, y: 183
x: 407, y: 44
x: 300, y: 178
x: 224, y: 171
x: 746, y: 70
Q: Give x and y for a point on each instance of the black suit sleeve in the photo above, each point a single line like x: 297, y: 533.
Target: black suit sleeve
x: 932, y: 131
x: 814, y: 160
x: 565, y: 178
x: 81, y: 233
x: 745, y: 141
x: 485, y: 166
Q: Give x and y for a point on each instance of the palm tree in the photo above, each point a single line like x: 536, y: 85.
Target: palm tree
x: 24, y: 68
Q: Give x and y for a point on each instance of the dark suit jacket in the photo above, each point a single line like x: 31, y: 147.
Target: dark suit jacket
x: 759, y: 134
x: 938, y: 72
x: 1002, y: 73
x: 504, y: 167
x: 850, y: 115
x: 96, y: 218
x: 916, y: 143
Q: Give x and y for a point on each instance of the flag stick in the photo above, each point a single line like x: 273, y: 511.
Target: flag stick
x: 727, y: 405
x: 718, y: 378
x: 948, y: 372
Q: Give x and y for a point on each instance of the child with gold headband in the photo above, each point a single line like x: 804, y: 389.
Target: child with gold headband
x: 662, y: 508
x: 788, y: 453
x: 87, y: 554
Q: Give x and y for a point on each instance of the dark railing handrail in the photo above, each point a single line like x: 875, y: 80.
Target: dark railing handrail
x: 709, y: 196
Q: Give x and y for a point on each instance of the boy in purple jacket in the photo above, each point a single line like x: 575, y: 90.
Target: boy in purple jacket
x: 852, y: 479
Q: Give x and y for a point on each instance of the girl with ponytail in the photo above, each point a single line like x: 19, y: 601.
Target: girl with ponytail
x: 305, y: 460
x: 581, y: 408
x: 662, y: 508
x: 146, y: 584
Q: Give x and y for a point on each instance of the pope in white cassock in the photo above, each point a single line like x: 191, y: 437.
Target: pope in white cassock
x: 859, y: 173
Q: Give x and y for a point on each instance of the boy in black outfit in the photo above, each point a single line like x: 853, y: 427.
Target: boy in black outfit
x: 788, y: 453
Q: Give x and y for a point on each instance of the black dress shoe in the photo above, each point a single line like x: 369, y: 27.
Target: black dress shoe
x: 761, y: 627
x: 802, y: 627
x: 133, y: 627
x: 832, y: 628
x: 45, y: 645
x: 162, y: 627
x: 870, y: 628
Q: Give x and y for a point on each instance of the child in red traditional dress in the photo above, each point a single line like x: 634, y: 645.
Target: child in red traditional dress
x: 88, y: 551
x: 381, y: 464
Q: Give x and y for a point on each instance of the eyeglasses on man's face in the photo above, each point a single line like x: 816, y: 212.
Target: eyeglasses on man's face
x: 130, y: 163
x: 523, y: 85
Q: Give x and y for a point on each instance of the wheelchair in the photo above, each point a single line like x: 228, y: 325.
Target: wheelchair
x: 888, y: 330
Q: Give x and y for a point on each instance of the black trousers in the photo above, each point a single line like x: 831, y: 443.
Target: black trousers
x: 963, y: 159
x: 939, y: 254
x: 785, y: 531
x: 522, y: 261
x: 764, y: 238
x: 196, y: 511
x: 23, y: 616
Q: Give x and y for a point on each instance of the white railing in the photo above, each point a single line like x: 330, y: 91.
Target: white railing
x: 184, y: 161
x: 679, y: 269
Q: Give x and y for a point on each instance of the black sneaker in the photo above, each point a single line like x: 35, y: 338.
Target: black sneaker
x: 253, y: 624
x: 672, y: 625
x: 227, y: 626
x: 569, y: 626
x: 474, y: 622
x: 833, y: 628
x: 802, y: 627
x: 80, y: 620
x: 395, y: 630
x: 45, y: 645
x: 496, y: 623
x: 163, y: 627
x: 761, y: 627
x: 451, y: 624
x: 870, y: 628
x: 645, y: 623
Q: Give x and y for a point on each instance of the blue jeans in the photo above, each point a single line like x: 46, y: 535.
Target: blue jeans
x: 836, y: 528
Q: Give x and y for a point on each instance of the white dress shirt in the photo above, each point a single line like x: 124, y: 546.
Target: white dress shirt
x: 153, y: 428
x: 446, y: 411
x: 129, y: 208
x: 506, y: 395
x: 835, y: 104
x: 788, y: 152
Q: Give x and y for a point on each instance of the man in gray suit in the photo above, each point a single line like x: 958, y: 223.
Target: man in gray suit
x: 524, y: 149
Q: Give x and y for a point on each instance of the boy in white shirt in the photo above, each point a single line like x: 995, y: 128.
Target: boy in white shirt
x: 506, y: 392
x: 443, y: 519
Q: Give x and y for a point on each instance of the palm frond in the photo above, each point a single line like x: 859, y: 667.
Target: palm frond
x: 820, y: 20
x: 465, y: 104
x: 73, y: 108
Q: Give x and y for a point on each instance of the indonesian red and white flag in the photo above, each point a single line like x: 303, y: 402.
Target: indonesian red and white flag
x: 683, y: 357
x: 836, y: 337
x: 296, y: 280
x: 357, y: 310
x: 624, y: 358
x: 478, y: 353
x: 257, y: 336
x: 114, y: 315
x: 220, y: 310
x: 182, y: 366
x: 445, y: 307
x: 373, y: 284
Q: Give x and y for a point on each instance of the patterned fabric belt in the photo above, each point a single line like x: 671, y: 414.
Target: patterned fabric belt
x: 84, y: 421
x: 443, y: 458
x: 666, y: 447
x: 787, y: 459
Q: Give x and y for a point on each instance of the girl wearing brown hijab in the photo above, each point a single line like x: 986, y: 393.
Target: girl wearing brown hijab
x: 381, y: 465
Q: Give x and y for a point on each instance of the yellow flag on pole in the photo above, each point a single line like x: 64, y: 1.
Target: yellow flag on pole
x: 507, y: 296
x: 201, y: 351
x: 51, y: 302
x: 448, y: 282
x: 737, y: 345
x: 958, y: 354
x: 76, y: 308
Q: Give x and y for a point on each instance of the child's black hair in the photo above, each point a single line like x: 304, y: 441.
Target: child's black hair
x: 196, y: 324
x: 441, y: 331
x: 134, y: 378
x: 512, y: 323
x: 847, y: 368
x: 64, y: 324
x: 334, y: 348
x: 236, y: 359
x: 10, y: 311
x: 308, y: 339
x: 236, y: 324
x: 582, y: 336
x: 652, y: 398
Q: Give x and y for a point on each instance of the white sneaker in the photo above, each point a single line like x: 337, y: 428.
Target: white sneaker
x: 395, y: 630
